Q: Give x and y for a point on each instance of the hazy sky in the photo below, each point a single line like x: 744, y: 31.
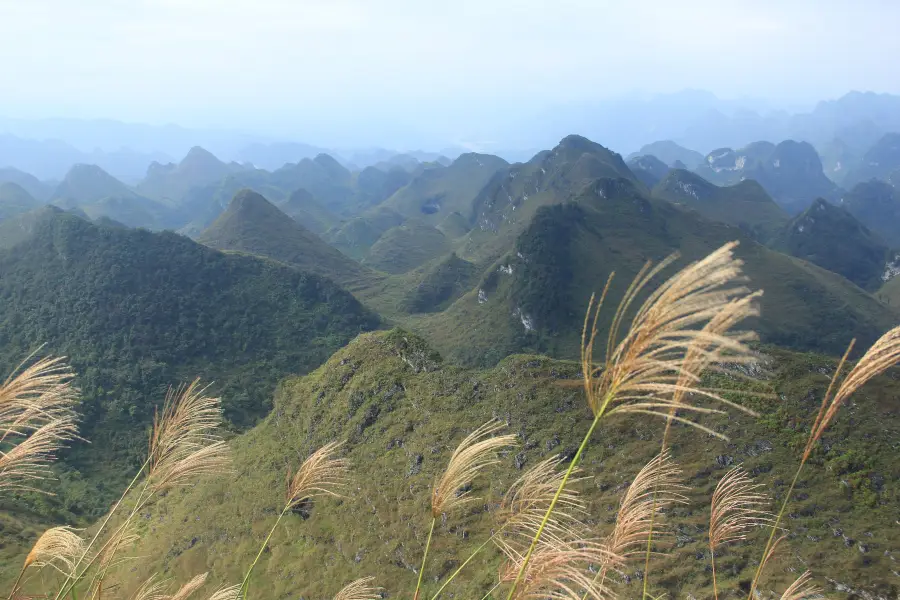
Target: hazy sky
x: 441, y: 67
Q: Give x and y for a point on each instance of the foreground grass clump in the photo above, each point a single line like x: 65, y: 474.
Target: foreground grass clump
x: 579, y: 502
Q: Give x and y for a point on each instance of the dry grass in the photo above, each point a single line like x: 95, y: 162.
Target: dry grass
x: 322, y: 474
x: 559, y: 571
x: 37, y: 418
x: 361, y: 589
x: 151, y: 589
x: 883, y: 354
x: 184, y: 444
x: 681, y: 330
x: 188, y: 589
x: 230, y: 592
x: 736, y: 508
x: 802, y: 589
x: 476, y: 452
x: 525, y: 503
x: 654, y: 489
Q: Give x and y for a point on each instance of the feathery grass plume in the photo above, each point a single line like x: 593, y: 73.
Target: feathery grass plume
x: 58, y: 548
x: 654, y: 489
x: 361, y: 589
x: 681, y: 330
x: 802, y: 589
x: 187, y: 590
x: 37, y: 418
x: 522, y: 509
x: 322, y: 474
x: 28, y: 461
x: 183, y: 443
x: 151, y: 589
x: 231, y: 592
x: 108, y: 555
x: 736, y: 508
x: 474, y: 454
x: 527, y: 499
x: 558, y: 571
x: 644, y: 370
x: 882, y: 355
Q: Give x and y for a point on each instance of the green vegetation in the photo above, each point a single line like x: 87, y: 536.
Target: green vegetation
x: 31, y: 184
x: 407, y: 246
x: 454, y: 226
x: 88, y: 183
x: 303, y: 208
x: 136, y: 311
x: 356, y: 236
x: 877, y: 206
x: 401, y: 413
x: 618, y: 229
x: 14, y: 200
x: 440, y: 284
x: 745, y: 204
x: 437, y: 191
x: 253, y: 225
x: 830, y: 237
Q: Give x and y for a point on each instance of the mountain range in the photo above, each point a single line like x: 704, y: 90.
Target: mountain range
x: 486, y: 267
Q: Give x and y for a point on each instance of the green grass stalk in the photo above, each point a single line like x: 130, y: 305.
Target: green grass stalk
x: 424, y: 558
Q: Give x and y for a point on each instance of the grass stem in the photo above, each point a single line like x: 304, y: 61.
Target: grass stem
x: 559, y: 490
x: 245, y: 584
x: 424, y: 558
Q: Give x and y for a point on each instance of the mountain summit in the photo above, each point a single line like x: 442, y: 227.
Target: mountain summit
x: 832, y: 238
x: 253, y: 225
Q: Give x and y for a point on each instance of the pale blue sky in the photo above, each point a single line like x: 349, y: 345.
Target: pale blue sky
x: 370, y: 68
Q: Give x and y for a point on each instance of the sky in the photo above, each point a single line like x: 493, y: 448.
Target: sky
x: 360, y: 70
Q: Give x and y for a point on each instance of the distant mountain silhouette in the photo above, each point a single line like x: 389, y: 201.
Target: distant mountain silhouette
x: 881, y: 161
x: 791, y: 172
x: 671, y: 153
x: 172, y: 182
x: 648, y: 168
x: 15, y: 200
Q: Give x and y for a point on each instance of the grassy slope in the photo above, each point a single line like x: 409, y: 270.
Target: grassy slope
x: 439, y: 191
x: 309, y: 212
x: 568, y: 254
x: 890, y: 292
x: 832, y: 238
x: 253, y: 225
x: 745, y: 204
x: 356, y: 236
x: 400, y: 426
x: 407, y: 246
